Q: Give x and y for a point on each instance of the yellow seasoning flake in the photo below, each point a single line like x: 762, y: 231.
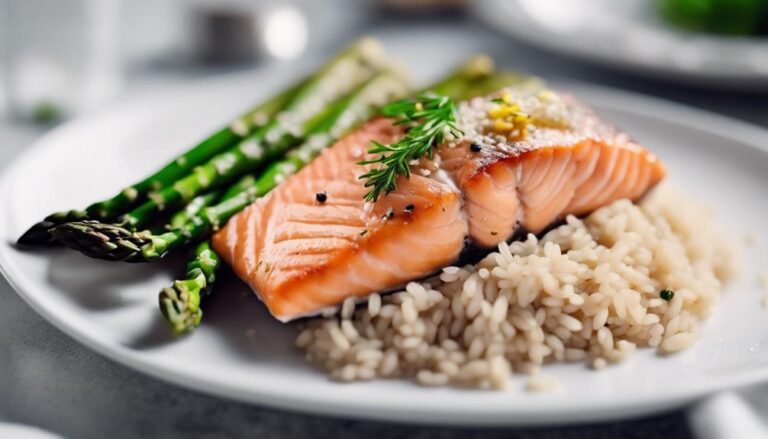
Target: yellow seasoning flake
x: 502, y: 126
x: 500, y: 112
x: 509, y: 119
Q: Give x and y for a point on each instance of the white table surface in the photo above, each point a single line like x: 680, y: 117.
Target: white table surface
x: 50, y: 381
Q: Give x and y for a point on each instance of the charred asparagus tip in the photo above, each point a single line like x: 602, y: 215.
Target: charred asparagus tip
x: 100, y: 240
x: 38, y: 234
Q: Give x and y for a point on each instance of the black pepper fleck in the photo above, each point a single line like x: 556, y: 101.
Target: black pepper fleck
x: 321, y: 197
x: 409, y: 208
x: 390, y: 214
x: 494, y: 233
x: 475, y: 147
x: 667, y: 294
x: 363, y: 232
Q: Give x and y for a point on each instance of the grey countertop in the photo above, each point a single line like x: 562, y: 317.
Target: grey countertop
x: 50, y: 381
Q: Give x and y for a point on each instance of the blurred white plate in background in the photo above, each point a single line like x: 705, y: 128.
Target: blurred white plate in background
x: 628, y: 34
x: 240, y: 352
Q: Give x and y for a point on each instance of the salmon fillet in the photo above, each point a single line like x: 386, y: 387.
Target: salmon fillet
x: 302, y: 253
x: 530, y: 184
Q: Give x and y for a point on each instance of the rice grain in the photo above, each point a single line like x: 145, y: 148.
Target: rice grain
x: 587, y: 291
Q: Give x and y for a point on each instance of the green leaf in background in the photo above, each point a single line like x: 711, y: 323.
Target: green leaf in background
x: 725, y: 17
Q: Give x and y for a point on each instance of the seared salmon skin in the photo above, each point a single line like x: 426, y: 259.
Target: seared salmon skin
x: 526, y: 160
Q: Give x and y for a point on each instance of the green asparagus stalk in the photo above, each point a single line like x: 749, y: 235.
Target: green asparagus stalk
x: 202, y: 201
x: 180, y: 304
x: 193, y: 208
x: 114, y: 241
x: 182, y: 165
x: 120, y: 244
x: 343, y: 73
x: 271, y: 141
x: 504, y: 79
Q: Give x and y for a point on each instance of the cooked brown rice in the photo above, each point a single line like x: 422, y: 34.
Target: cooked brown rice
x: 588, y: 291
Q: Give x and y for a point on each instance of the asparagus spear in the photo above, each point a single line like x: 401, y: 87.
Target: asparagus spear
x: 344, y: 72
x: 180, y: 304
x: 202, y: 201
x: 182, y: 165
x: 193, y: 208
x: 271, y: 141
x: 155, y: 247
x: 117, y: 243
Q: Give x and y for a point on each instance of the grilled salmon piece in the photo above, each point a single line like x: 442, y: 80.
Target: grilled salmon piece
x: 302, y: 252
x: 532, y: 183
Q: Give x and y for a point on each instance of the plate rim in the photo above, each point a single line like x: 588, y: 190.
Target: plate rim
x: 743, y: 132
x: 487, y: 10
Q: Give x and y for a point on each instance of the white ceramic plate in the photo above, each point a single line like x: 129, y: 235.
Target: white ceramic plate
x: 241, y: 352
x: 629, y: 35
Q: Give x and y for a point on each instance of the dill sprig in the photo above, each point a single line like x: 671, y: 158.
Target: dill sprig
x: 429, y: 118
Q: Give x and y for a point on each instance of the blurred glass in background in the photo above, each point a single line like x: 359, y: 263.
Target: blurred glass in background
x: 60, y: 56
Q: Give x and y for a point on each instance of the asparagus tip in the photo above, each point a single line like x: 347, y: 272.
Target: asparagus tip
x: 38, y: 234
x: 370, y: 47
x: 100, y: 240
x: 181, y: 313
x: 479, y: 66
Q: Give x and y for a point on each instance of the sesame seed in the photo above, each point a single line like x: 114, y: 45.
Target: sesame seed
x: 260, y: 119
x: 239, y: 127
x: 252, y: 149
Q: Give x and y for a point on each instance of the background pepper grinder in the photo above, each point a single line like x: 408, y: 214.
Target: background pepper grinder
x: 241, y: 31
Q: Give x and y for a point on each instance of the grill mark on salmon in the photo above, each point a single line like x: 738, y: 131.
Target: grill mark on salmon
x: 302, y: 256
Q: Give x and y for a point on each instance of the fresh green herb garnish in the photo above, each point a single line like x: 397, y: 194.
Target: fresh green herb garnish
x: 429, y: 118
x: 497, y: 100
x: 667, y: 294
